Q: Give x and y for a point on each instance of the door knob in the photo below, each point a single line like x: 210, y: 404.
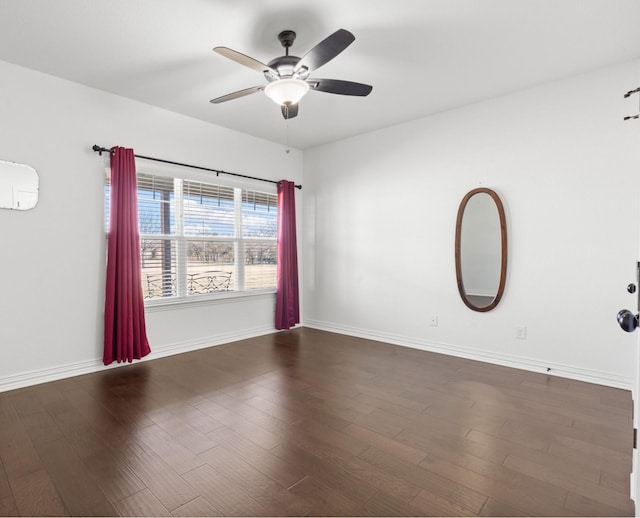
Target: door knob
x: 627, y: 320
x: 631, y: 288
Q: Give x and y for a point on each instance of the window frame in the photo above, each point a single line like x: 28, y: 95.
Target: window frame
x: 181, y: 240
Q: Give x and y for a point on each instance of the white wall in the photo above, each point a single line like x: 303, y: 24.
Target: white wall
x: 52, y: 257
x: 380, y: 213
x: 378, y: 226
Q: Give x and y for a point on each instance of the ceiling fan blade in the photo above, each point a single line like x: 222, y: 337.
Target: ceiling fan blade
x: 236, y: 95
x: 326, y: 50
x: 243, y: 59
x: 336, y: 86
x: 289, y: 111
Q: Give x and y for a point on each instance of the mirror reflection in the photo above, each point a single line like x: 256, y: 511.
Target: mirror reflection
x: 481, y: 250
x: 18, y: 186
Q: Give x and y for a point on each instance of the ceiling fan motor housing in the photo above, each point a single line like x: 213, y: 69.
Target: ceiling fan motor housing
x: 285, y: 65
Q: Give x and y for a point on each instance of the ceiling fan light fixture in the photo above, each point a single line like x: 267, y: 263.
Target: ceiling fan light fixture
x: 286, y: 91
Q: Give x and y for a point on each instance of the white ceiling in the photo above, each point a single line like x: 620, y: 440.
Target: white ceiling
x: 421, y: 56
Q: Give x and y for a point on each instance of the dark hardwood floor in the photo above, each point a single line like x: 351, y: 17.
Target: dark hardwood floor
x: 306, y: 422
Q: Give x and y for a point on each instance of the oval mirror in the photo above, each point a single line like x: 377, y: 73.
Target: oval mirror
x: 18, y: 186
x: 481, y: 249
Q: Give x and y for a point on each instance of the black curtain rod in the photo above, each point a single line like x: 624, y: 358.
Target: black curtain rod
x: 100, y: 150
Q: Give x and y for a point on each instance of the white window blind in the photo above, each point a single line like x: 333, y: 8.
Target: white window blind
x: 200, y: 239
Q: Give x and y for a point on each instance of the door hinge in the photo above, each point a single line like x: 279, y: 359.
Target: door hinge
x: 635, y: 438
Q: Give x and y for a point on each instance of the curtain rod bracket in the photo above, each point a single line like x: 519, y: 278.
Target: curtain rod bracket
x: 632, y: 92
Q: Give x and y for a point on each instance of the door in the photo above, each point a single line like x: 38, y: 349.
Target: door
x: 629, y: 321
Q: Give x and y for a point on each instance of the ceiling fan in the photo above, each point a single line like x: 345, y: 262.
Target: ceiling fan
x: 288, y: 76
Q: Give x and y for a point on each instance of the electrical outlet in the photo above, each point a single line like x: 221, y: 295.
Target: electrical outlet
x: 433, y: 321
x: 521, y: 332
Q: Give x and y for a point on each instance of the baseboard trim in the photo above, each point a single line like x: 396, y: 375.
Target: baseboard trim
x: 517, y: 362
x: 59, y: 372
x: 35, y: 377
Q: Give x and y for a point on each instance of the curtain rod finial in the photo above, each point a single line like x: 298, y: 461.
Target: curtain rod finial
x: 100, y: 150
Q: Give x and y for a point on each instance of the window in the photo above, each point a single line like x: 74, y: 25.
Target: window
x: 201, y: 239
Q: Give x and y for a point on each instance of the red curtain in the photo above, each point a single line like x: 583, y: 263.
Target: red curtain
x: 287, y: 302
x: 125, y: 336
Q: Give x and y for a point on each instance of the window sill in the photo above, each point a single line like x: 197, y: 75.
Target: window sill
x: 153, y: 306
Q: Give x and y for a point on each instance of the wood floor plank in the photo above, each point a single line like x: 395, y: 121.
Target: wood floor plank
x: 169, y: 449
x: 196, y: 507
x: 41, y: 428
x: 585, y: 506
x: 434, y: 505
x: 612, y: 397
x: 430, y: 424
x: 115, y: 478
x: 5, y: 490
x: 73, y: 482
x: 173, y: 415
x: 431, y: 397
x: 248, y: 423
x: 608, y: 429
x: 592, y: 455
x: 382, y: 504
x: 182, y: 430
x: 383, y: 422
x: 35, y: 495
x: 531, y: 461
x: 526, y: 435
x: 52, y: 400
x: 619, y: 441
x: 8, y: 506
x: 574, y: 397
x: 495, y: 508
x: 468, y: 417
x: 322, y: 399
x: 166, y: 485
x: 271, y: 496
x: 334, y: 438
x: 79, y: 434
x: 282, y: 472
x: 384, y: 443
x: 393, y: 485
x: 247, y: 389
x: 142, y: 503
x: 333, y: 475
x: 377, y: 398
x: 572, y: 482
x: 17, y: 453
x: 26, y: 402
x: 449, y: 488
x: 303, y: 405
x: 617, y: 482
x: 525, y: 412
x: 509, y: 486
x: 275, y: 410
x: 221, y: 493
x: 252, y: 414
x: 326, y: 501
